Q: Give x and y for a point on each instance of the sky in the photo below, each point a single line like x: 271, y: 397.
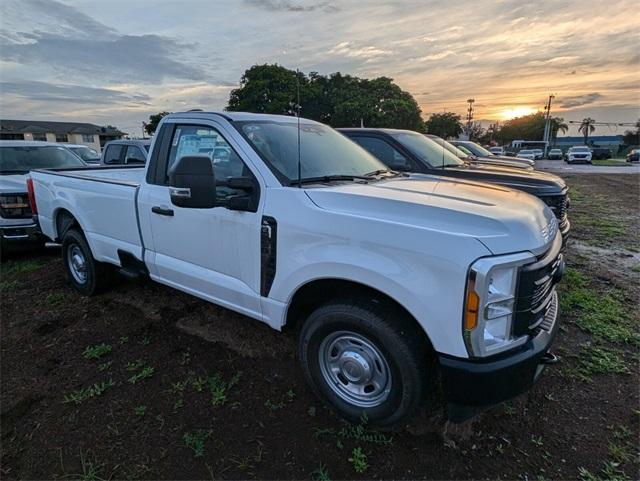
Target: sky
x: 118, y: 61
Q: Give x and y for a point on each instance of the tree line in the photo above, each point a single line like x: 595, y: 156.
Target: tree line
x: 341, y: 100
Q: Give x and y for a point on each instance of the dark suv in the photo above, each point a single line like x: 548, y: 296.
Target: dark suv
x: 125, y: 152
x: 408, y: 151
x: 600, y: 153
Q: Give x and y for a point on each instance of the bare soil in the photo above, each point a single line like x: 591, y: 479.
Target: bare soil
x: 226, y: 399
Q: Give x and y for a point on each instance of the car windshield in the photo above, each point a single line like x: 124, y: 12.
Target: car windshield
x: 450, y: 147
x: 526, y: 152
x: 580, y: 149
x: 427, y: 150
x: 24, y: 159
x: 477, y: 149
x: 323, y: 151
x: 85, y: 153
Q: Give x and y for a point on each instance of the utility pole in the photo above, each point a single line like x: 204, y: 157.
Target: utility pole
x: 469, y: 116
x: 547, y: 124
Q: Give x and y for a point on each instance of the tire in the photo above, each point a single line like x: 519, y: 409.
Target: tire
x: 372, y: 348
x: 86, y: 275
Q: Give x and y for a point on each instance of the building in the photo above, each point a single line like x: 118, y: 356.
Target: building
x: 91, y: 135
x: 612, y: 142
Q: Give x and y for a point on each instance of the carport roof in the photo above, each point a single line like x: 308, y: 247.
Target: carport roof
x: 24, y: 126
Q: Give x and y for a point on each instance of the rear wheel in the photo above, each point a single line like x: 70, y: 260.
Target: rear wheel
x: 364, y: 358
x: 85, y: 274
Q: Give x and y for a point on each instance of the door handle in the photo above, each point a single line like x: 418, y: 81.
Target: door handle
x: 156, y: 209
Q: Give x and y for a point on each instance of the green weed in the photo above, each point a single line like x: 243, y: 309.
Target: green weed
x: 140, y: 410
x: 218, y: 388
x: 195, y: 441
x: 54, y: 298
x: 600, y: 360
x: 97, y: 351
x: 80, y: 395
x: 271, y: 406
x: 104, y: 366
x: 135, y: 365
x: 6, y: 286
x: 146, y: 372
x: 321, y: 473
x: 123, y: 339
x: 359, y: 460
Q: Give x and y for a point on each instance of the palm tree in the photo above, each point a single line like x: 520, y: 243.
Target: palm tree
x: 558, y: 125
x: 587, y: 127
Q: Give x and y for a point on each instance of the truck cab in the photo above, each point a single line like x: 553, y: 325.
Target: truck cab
x: 395, y: 285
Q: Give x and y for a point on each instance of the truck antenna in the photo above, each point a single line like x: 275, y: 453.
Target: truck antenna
x: 298, y: 116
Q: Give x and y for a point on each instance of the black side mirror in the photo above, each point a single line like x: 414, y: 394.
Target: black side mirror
x: 192, y: 182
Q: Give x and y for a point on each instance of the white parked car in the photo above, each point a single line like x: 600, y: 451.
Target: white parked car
x: 86, y: 153
x: 526, y: 154
x: 539, y: 153
x: 398, y: 284
x: 555, y: 154
x: 497, y: 150
x: 578, y: 153
x: 17, y: 158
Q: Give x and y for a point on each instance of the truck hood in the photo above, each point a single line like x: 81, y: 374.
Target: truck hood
x: 532, y: 181
x: 504, y: 220
x: 13, y: 183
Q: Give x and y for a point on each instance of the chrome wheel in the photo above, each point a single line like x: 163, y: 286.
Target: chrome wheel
x: 77, y: 263
x: 355, y: 369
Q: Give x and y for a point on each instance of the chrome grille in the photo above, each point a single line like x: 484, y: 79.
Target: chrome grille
x: 558, y: 205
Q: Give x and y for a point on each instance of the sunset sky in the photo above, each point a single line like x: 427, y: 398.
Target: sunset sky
x: 118, y: 61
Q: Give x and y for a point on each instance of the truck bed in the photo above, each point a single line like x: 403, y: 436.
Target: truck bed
x: 102, y: 200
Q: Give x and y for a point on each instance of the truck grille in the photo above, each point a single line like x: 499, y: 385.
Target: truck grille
x: 536, y: 293
x: 15, y: 206
x: 558, y: 204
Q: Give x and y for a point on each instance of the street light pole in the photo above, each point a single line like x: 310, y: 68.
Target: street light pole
x: 547, y: 124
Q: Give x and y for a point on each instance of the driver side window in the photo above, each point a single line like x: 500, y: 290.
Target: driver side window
x: 189, y: 140
x: 385, y: 152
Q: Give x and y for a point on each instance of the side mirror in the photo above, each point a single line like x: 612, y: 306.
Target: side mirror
x: 193, y: 183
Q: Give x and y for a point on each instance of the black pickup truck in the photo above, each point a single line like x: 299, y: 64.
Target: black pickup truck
x: 408, y: 151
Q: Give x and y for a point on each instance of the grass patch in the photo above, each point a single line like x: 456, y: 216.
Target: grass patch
x: 97, y: 351
x: 610, y: 163
x: 80, y: 395
x: 600, y: 360
x: 195, y: 441
x: 603, y: 314
x: 6, y: 286
x: 21, y: 267
x: 54, y: 298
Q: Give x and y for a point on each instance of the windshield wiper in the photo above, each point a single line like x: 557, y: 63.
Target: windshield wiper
x: 327, y: 178
x: 14, y: 172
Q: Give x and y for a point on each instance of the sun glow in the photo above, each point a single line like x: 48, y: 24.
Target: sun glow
x: 512, y: 112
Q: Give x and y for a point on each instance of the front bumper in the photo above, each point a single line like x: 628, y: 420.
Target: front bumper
x: 20, y: 233
x: 472, y: 384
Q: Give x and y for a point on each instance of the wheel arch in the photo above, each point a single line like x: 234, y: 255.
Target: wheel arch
x: 319, y: 291
x: 63, y: 220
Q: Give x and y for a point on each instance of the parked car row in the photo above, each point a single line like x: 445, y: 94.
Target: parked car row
x: 404, y: 268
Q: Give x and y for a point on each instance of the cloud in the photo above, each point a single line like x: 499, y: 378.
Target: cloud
x: 291, y: 6
x: 366, y: 53
x: 580, y: 100
x: 75, y: 43
x: 44, y: 91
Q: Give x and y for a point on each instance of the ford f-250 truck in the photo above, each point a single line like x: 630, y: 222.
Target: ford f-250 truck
x: 395, y: 283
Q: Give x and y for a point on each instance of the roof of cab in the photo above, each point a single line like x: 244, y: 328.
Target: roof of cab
x: 238, y: 116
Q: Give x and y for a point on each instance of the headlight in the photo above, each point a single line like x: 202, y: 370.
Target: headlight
x: 490, y: 304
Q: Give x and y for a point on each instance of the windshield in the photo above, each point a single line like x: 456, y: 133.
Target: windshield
x: 85, y: 153
x: 24, y: 159
x: 450, y: 147
x: 323, y: 151
x: 477, y: 149
x: 526, y: 152
x: 427, y: 150
x: 580, y: 149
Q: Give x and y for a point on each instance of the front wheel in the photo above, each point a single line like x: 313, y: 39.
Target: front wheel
x: 85, y: 274
x: 363, y: 358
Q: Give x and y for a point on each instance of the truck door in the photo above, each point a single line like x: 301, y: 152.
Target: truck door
x: 212, y: 253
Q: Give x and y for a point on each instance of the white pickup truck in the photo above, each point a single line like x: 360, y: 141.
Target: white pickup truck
x: 396, y: 284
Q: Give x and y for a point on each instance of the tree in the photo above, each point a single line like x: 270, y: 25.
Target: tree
x: 338, y: 100
x: 632, y: 138
x: 528, y: 127
x: 445, y: 125
x: 587, y: 127
x: 151, y: 126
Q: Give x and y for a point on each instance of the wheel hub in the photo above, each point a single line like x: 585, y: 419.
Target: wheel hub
x: 355, y: 369
x: 77, y: 264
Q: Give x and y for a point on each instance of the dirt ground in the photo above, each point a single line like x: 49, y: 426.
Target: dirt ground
x: 144, y: 382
